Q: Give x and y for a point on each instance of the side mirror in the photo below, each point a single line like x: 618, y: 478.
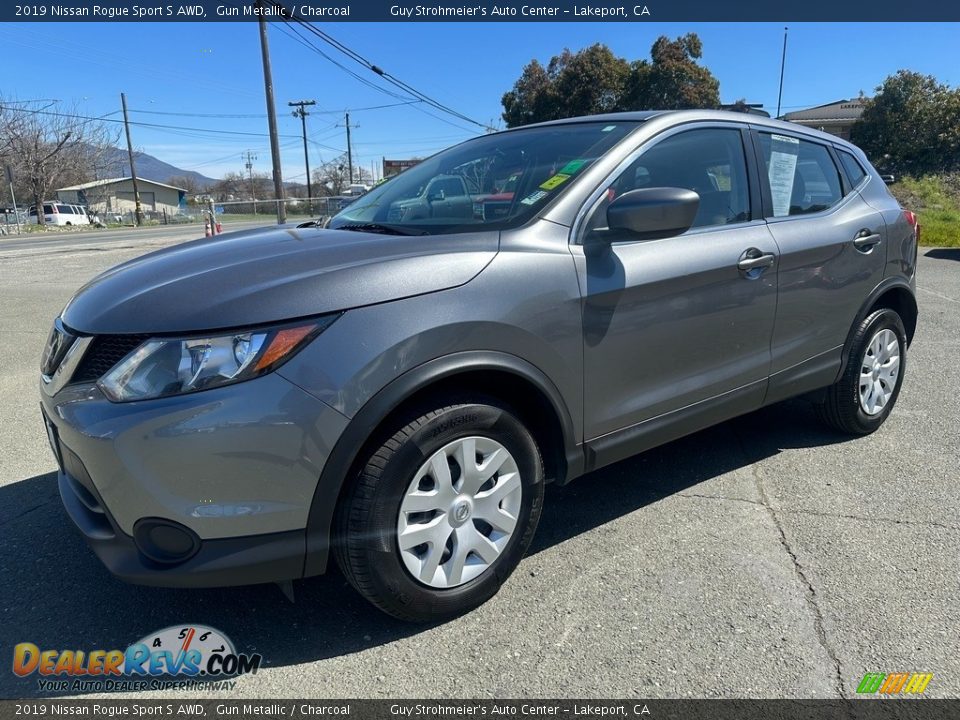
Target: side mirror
x: 652, y: 213
x: 436, y: 195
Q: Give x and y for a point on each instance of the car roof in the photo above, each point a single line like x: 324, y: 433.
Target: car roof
x: 693, y: 116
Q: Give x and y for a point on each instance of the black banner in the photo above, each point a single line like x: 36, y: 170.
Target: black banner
x: 865, y: 709
x: 615, y: 11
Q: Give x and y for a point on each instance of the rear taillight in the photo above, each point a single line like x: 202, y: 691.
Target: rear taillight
x: 914, y: 222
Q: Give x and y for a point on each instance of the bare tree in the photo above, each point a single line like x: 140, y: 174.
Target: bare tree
x: 233, y: 186
x: 48, y: 147
x: 332, y: 177
x: 186, y: 182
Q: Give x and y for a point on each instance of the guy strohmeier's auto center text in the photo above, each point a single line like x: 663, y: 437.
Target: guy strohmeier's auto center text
x: 508, y: 11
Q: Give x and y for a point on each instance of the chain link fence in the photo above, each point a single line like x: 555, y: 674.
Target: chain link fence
x: 297, y: 209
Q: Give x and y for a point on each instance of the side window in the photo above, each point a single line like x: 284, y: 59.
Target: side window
x: 65, y: 209
x: 801, y: 175
x: 710, y: 161
x: 853, y: 168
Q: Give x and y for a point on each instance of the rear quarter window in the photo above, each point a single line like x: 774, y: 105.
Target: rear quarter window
x: 852, y: 167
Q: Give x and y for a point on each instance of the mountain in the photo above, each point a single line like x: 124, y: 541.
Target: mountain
x: 151, y: 168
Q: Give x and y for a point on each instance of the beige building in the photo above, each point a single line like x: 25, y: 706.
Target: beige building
x: 115, y: 197
x: 835, y: 118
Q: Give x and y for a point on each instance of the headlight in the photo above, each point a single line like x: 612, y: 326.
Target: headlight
x: 174, y: 366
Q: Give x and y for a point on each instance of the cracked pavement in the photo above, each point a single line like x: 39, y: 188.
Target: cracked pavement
x: 765, y: 557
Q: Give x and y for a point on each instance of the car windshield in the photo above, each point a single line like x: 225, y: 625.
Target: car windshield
x: 491, y: 182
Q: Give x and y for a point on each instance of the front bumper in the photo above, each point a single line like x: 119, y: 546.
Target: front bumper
x: 234, y: 469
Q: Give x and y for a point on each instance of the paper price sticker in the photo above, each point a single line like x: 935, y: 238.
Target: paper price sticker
x: 556, y: 181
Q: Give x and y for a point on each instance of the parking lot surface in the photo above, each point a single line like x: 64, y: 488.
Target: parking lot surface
x: 765, y: 557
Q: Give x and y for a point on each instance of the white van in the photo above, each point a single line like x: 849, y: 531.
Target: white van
x: 55, y: 213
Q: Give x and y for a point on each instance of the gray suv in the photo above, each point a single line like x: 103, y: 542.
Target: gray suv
x: 395, y: 390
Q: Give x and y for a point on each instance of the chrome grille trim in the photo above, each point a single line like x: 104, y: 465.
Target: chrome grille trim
x: 58, y: 344
x: 52, y: 384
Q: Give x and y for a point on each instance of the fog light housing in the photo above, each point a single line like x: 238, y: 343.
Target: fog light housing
x: 165, y: 541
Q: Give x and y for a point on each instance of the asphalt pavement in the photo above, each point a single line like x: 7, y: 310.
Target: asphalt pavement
x: 127, y: 238
x: 765, y: 557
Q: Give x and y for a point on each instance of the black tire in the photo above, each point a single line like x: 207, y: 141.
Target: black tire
x: 840, y: 408
x: 367, y: 549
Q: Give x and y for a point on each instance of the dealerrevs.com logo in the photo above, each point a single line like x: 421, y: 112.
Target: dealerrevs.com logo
x: 187, y: 657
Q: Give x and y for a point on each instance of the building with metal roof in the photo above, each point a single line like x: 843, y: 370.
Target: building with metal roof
x: 835, y: 118
x: 114, y: 196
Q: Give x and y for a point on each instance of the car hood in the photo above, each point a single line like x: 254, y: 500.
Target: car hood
x: 251, y: 278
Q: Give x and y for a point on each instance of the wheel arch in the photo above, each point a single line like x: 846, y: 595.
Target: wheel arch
x: 895, y: 294
x: 482, y: 373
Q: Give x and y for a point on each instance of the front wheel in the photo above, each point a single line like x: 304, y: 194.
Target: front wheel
x: 442, y: 512
x: 862, y: 399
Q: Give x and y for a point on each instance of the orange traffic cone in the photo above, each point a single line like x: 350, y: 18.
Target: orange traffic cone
x: 206, y: 228
x: 219, y: 227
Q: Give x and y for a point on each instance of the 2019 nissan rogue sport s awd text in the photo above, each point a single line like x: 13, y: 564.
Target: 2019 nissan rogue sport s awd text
x: 525, y: 307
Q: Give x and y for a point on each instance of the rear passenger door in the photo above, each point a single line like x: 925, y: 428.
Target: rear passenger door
x: 831, y: 257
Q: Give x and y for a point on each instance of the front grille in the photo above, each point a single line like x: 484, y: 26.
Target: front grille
x: 56, y: 349
x: 104, y: 352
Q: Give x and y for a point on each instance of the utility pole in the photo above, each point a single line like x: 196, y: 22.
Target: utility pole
x: 783, y: 62
x: 138, y: 209
x: 271, y: 118
x: 302, y: 114
x: 253, y: 188
x: 349, y: 151
x: 13, y: 198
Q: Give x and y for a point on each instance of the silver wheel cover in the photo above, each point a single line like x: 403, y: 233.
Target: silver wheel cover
x: 879, y: 371
x: 459, y: 512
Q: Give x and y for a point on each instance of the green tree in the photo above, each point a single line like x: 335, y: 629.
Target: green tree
x: 531, y: 99
x: 911, y: 125
x: 594, y: 80
x: 672, y: 80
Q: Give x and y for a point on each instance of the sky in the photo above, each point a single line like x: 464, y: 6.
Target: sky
x: 199, y: 72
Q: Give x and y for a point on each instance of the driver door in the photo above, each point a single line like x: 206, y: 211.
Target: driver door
x: 677, y: 331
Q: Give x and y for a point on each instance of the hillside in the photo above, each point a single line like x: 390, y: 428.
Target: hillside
x: 152, y: 168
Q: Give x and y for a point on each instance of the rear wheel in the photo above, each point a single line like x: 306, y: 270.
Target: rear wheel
x: 442, y: 512
x: 862, y: 399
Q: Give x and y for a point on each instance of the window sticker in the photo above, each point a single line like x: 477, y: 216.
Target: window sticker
x: 571, y: 167
x: 556, y: 181
x: 783, y: 167
x: 608, y: 128
x: 533, y: 197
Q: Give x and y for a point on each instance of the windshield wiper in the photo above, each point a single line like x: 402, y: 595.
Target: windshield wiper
x: 381, y: 228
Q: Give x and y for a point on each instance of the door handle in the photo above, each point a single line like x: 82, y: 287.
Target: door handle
x: 755, y: 262
x: 865, y: 240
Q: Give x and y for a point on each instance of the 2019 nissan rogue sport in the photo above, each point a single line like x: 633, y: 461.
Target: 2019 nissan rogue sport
x: 396, y: 389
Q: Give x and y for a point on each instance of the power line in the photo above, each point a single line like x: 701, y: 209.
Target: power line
x: 106, y: 118
x: 414, y: 102
x: 356, y: 76
x: 249, y: 116
x: 370, y: 107
x: 361, y: 60
x: 406, y: 87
